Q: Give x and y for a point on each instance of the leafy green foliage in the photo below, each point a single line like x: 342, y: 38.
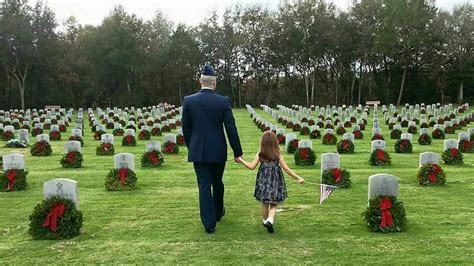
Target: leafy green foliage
x: 373, y: 215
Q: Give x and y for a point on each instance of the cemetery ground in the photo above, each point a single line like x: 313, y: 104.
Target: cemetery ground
x: 159, y: 221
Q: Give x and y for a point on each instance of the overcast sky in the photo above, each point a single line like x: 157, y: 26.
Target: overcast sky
x: 190, y: 12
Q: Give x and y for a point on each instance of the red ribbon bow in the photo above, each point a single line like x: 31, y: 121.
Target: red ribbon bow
x: 380, y: 154
x: 294, y: 143
x: 403, y: 143
x: 467, y: 145
x: 435, y: 170
x: 304, y: 153
x: 385, y: 206
x: 454, y: 153
x: 345, y: 144
x: 123, y: 172
x: 11, y: 174
x: 40, y: 146
x: 106, y: 147
x: 169, y: 147
x: 71, y: 156
x: 154, y: 158
x: 129, y: 139
x: 337, y: 174
x: 52, y: 219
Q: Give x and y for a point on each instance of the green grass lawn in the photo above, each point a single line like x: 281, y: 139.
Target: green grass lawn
x: 159, y: 222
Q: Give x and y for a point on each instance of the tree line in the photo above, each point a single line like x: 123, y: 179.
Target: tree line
x: 306, y: 52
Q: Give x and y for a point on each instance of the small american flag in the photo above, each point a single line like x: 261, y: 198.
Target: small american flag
x: 325, y: 190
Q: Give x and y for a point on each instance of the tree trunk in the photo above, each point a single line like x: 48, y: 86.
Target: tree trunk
x: 360, y: 84
x: 312, y: 87
x: 180, y: 92
x: 352, y: 89
x: 337, y: 91
x: 403, y: 84
x: 461, y: 92
x: 306, y: 85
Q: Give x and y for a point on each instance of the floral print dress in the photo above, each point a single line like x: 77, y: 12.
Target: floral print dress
x: 270, y: 186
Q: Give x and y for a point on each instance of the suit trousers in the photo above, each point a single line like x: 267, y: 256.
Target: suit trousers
x: 211, y: 204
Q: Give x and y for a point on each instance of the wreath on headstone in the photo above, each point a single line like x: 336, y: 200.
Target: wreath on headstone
x: 109, y: 125
x: 404, y: 123
x: 156, y: 131
x: 72, y: 159
x: 122, y: 179
x: 129, y: 140
x: 98, y: 134
x: 315, y: 134
x: 347, y: 124
x: 281, y: 139
x: 289, y: 124
x: 466, y: 145
x: 345, y: 146
x: 362, y: 126
x: 152, y: 159
x: 377, y: 136
x: 379, y: 157
x: 431, y: 174
x: 165, y: 129
x: 385, y: 214
x: 329, y: 139
x: 55, y: 135
x: 296, y: 127
x: 62, y: 128
x: 105, y: 148
x: 8, y: 135
x: 456, y: 126
x: 403, y: 146
x: 449, y: 130
x: 47, y: 126
x: 330, y: 126
x: 438, y: 134
x: 311, y: 122
x: 14, y: 143
x: 336, y: 177
x: 412, y: 130
x: 77, y: 138
x: 471, y: 137
x: 13, y: 180
x: 340, y: 130
x: 170, y: 148
x: 452, y: 156
x: 424, y: 139
x: 55, y: 218
x: 395, y: 134
x: 118, y: 132
x: 304, y: 131
x: 292, y: 146
x: 180, y: 140
x: 305, y: 157
x: 358, y: 134
x: 41, y: 148
x: 144, y: 135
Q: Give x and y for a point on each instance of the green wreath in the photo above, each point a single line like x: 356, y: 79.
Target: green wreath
x: 69, y: 223
x: 379, y: 157
x: 152, y: 159
x: 55, y: 135
x: 36, y: 131
x: 412, y: 130
x: 431, y: 174
x: 156, y: 131
x: 289, y: 124
x: 345, y: 146
x: 438, y: 134
x: 292, y: 146
x: 8, y: 135
x: 72, y: 159
x: 424, y: 139
x: 466, y: 146
x: 329, y: 139
x: 358, y: 134
x: 114, y: 181
x: 449, y: 130
x: 13, y: 180
x: 281, y: 139
x: 144, y: 135
x: 305, y: 157
x: 118, y: 132
x: 170, y: 148
x: 337, y: 177
x: 377, y: 136
x: 98, y: 134
x: 296, y: 127
x: 315, y: 134
x: 374, y: 215
x: 304, y: 131
x: 181, y: 141
x: 403, y: 146
x: 452, y: 156
x: 41, y: 148
x: 105, y: 149
x: 340, y: 130
x: 395, y: 134
x: 129, y: 141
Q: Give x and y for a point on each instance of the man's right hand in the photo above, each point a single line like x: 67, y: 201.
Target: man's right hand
x: 238, y: 159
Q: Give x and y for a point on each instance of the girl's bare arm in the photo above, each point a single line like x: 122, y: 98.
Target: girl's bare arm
x: 290, y: 172
x: 252, y: 165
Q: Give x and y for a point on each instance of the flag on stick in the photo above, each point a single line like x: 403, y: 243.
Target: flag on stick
x: 325, y: 190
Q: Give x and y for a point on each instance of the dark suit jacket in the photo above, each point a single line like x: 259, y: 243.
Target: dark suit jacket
x: 205, y: 114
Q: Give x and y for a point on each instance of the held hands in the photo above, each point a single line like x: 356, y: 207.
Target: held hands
x: 300, y: 180
x: 238, y: 159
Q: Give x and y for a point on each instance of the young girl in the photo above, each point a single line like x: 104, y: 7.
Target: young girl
x: 270, y: 188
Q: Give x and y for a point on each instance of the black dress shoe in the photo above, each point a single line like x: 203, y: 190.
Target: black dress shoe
x: 211, y: 230
x: 269, y: 227
x: 218, y: 219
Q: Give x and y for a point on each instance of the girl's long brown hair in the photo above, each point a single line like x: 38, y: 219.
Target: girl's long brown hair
x: 269, y: 150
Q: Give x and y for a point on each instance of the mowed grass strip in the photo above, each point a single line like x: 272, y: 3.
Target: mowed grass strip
x: 159, y: 221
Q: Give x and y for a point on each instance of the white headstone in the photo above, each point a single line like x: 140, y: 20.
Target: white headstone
x: 63, y: 188
x: 429, y: 158
x: 377, y: 144
x: 13, y: 161
x: 330, y: 161
x: 305, y: 144
x: 450, y: 144
x: 407, y: 136
x: 383, y: 185
x: 23, y: 135
x: 124, y: 160
x: 288, y: 138
x: 424, y: 131
x: 170, y: 138
x: 42, y: 137
x: 107, y: 138
x: 348, y: 136
x: 153, y: 146
x: 463, y: 136
x: 129, y: 132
